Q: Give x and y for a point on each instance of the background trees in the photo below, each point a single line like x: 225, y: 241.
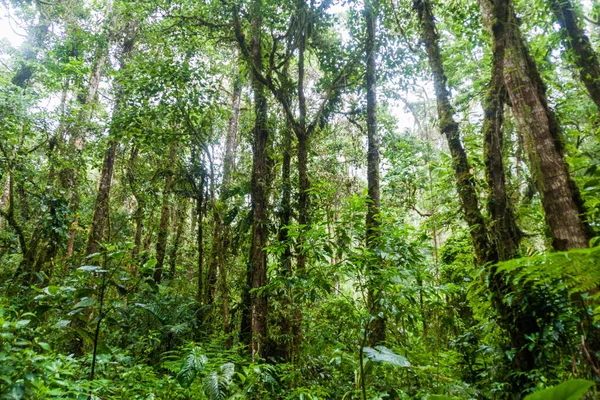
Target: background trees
x: 298, y: 199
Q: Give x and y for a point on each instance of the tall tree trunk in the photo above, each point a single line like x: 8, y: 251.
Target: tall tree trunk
x: 4, y: 198
x: 505, y: 234
x: 511, y: 318
x: 211, y: 276
x: 575, y: 40
x: 200, y: 239
x: 101, y: 208
x: 53, y: 197
x: 165, y: 212
x: 181, y: 216
x: 302, y: 135
x: 562, y: 203
x: 303, y: 200
x: 139, y: 210
x: 76, y: 140
x: 373, y: 221
x: 228, y: 168
x: 465, y: 183
x: 232, y: 132
x: 260, y: 177
x: 286, y: 323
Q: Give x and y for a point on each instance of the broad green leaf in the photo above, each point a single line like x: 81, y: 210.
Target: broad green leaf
x: 570, y: 390
x: 117, y: 255
x: 23, y: 322
x: 89, y: 268
x: 44, y: 346
x: 51, y: 290
x: 193, y: 363
x: 381, y: 354
x: 63, y: 323
x: 85, y: 302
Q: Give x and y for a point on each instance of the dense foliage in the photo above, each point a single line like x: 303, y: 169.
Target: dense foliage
x: 317, y: 199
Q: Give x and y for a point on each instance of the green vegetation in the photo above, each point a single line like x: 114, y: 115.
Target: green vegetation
x: 299, y: 200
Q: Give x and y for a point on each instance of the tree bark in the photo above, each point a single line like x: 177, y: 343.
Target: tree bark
x: 465, y: 182
x: 260, y: 176
x: 286, y: 323
x: 505, y: 234
x: 211, y: 275
x: 139, y: 210
x: 165, y: 212
x: 76, y: 141
x: 575, y: 40
x: 200, y: 238
x: 228, y: 168
x: 181, y: 216
x: 5, y: 193
x: 303, y: 136
x: 101, y: 208
x: 512, y: 319
x: 561, y: 201
x: 373, y: 221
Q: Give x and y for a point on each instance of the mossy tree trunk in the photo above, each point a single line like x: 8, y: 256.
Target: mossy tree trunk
x: 575, y: 40
x: 101, y: 208
x: 165, y: 213
x: 561, y: 201
x: 373, y: 221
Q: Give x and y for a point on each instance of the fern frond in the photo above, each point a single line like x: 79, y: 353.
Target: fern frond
x: 577, y: 270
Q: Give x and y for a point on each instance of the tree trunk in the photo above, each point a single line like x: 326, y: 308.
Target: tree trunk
x: 465, y: 183
x: 373, y: 221
x: 228, y: 168
x: 165, y: 212
x: 211, y: 276
x: 303, y: 199
x: 505, y: 234
x: 286, y: 322
x: 562, y: 203
x: 575, y: 40
x: 181, y: 217
x: 302, y: 135
x: 4, y: 198
x: 139, y: 210
x: 101, y: 208
x: 200, y: 239
x: 76, y: 141
x: 232, y: 133
x: 260, y: 176
x: 512, y: 319
x: 53, y: 196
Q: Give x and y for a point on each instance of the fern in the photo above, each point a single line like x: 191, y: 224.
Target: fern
x: 193, y: 363
x: 576, y: 270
